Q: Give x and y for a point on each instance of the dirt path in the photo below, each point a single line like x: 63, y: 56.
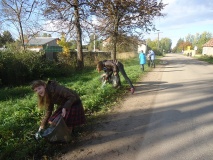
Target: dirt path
x: 120, y: 134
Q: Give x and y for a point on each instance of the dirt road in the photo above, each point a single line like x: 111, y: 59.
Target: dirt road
x: 119, y: 136
x: 168, y: 118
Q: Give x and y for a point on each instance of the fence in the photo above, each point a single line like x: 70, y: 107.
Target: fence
x: 90, y: 58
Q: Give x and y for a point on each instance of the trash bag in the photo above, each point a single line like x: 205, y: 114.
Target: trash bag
x: 57, y: 131
x: 113, y: 79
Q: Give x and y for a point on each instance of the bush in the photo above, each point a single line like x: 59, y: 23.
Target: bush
x: 157, y: 52
x: 17, y: 68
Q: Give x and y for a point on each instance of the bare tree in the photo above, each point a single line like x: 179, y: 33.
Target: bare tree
x: 70, y: 15
x: 19, y: 14
x: 130, y: 17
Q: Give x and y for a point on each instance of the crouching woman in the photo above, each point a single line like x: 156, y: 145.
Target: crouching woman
x: 68, y: 101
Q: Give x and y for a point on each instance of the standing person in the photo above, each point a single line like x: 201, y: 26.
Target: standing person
x: 148, y: 59
x: 68, y: 101
x: 114, y: 67
x: 142, y: 58
x: 151, y: 56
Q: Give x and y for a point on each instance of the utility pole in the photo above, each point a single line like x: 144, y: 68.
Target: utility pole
x: 94, y: 43
x: 158, y: 38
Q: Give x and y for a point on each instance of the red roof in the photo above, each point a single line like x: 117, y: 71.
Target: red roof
x: 209, y: 43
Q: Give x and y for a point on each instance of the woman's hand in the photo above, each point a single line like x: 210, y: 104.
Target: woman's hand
x: 63, y: 112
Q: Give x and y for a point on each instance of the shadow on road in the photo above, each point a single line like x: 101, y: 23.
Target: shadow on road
x: 119, y: 126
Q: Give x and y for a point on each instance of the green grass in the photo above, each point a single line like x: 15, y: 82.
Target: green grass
x: 20, y: 118
x: 208, y: 59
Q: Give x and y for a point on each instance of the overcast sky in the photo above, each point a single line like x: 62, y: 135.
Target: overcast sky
x: 184, y: 17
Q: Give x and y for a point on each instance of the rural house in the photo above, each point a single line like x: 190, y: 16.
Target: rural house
x: 208, y: 48
x: 47, y: 44
x: 142, y: 46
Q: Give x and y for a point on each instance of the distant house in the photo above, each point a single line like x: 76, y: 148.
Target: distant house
x: 106, y: 42
x: 208, y: 48
x: 142, y: 46
x: 47, y: 44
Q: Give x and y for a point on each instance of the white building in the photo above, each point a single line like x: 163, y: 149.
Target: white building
x: 142, y: 46
x: 208, y: 48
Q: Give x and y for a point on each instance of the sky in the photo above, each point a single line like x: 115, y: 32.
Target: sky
x: 183, y: 17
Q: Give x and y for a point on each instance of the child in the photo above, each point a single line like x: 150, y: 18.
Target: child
x: 68, y: 101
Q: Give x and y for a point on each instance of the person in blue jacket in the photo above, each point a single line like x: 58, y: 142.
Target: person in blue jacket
x: 142, y: 58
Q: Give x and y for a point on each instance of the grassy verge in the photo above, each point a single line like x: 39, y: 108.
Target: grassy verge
x: 208, y: 59
x: 19, y: 117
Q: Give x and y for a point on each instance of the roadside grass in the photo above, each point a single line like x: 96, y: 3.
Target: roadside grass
x: 208, y: 59
x: 20, y: 118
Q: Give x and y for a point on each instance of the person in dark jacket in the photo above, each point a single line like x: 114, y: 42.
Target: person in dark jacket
x: 114, y: 67
x: 68, y: 101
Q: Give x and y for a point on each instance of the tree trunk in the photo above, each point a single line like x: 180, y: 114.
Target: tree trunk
x: 114, y: 39
x: 80, y: 62
x: 22, y: 33
x: 114, y: 48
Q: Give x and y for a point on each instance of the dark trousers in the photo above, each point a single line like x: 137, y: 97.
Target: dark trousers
x: 121, y: 69
x: 142, y: 67
x: 152, y: 63
x: 148, y: 62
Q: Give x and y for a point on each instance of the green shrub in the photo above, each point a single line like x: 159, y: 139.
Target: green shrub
x: 17, y: 68
x: 205, y: 58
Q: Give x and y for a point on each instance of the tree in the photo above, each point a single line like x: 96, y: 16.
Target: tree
x: 46, y: 35
x: 1, y: 41
x: 127, y: 43
x: 131, y: 17
x: 190, y: 38
x: 198, y: 39
x: 64, y: 44
x: 69, y: 14
x: 152, y: 44
x: 94, y: 43
x: 201, y: 40
x: 18, y: 13
x: 5, y: 38
x: 182, y: 45
x: 73, y: 45
x: 179, y: 42
x: 165, y: 44
x: 124, y: 44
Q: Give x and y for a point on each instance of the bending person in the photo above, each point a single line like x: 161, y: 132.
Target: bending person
x: 68, y: 101
x: 116, y: 67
